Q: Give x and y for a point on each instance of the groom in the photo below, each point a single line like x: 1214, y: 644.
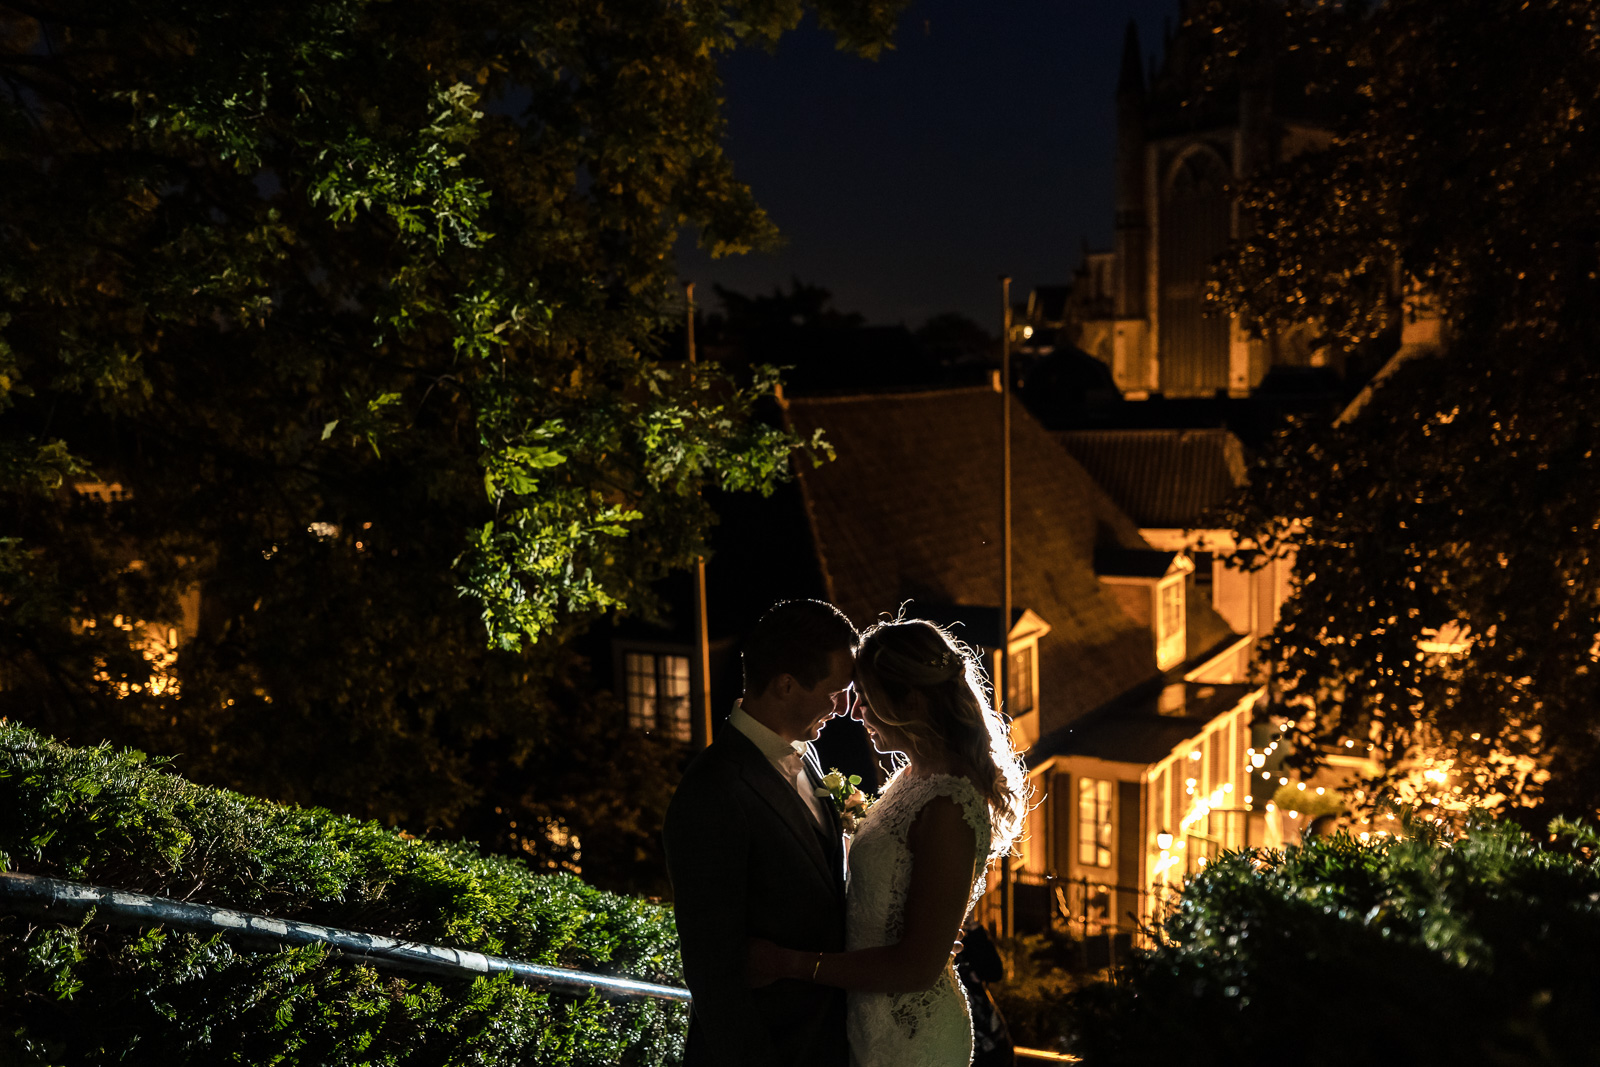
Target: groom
x: 753, y: 852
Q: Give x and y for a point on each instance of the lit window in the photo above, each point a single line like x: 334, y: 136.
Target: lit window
x: 657, y: 688
x: 1094, y: 822
x: 1019, y: 681
x: 1171, y: 608
x: 1170, y: 627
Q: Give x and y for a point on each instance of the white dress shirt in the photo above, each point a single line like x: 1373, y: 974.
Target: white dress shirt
x: 784, y: 759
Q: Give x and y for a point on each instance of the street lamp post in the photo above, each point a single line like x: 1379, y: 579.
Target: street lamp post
x: 702, y: 639
x: 1002, y: 657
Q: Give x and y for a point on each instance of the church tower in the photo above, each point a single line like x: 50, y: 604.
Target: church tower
x: 1180, y: 152
x: 1132, y: 369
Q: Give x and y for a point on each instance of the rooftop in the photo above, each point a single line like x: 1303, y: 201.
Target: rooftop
x: 1162, y: 478
x: 1145, y: 726
x: 911, y: 510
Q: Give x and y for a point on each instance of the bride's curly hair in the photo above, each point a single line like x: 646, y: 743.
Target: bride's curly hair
x: 933, y: 689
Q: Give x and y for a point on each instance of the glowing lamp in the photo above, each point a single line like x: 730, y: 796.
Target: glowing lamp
x: 1164, y: 840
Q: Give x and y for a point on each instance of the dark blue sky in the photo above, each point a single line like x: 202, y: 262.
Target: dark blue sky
x: 981, y: 145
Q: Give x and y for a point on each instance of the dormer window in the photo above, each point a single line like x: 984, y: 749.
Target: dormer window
x: 1170, y: 629
x: 1149, y: 584
x: 1022, y: 680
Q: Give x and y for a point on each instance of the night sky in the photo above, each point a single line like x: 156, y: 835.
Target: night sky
x: 981, y: 145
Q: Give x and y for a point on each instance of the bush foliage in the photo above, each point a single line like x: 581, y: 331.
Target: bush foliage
x: 1418, y: 951
x: 95, y: 994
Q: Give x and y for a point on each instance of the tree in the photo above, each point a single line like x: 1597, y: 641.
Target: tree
x: 340, y: 312
x: 1461, y: 495
x: 824, y: 349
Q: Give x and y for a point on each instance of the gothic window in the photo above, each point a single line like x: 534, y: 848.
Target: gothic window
x: 656, y: 685
x: 1195, y: 224
x: 1199, y: 175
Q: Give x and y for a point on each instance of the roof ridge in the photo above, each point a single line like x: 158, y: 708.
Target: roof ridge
x: 1151, y: 431
x: 931, y: 391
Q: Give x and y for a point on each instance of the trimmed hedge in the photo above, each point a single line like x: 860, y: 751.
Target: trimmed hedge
x: 1422, y: 951
x: 98, y: 994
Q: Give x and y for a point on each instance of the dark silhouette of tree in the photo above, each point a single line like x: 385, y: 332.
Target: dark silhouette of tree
x: 823, y: 349
x: 351, y: 312
x: 1463, y: 167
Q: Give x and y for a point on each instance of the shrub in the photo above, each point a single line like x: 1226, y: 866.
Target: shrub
x: 1038, y: 980
x: 95, y: 994
x: 1419, y: 951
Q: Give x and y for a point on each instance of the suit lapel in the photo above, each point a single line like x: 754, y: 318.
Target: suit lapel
x: 833, y: 833
x: 780, y: 796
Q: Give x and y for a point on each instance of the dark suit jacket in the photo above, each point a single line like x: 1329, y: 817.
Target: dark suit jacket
x: 747, y: 859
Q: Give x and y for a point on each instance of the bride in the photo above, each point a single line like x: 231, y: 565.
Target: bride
x: 919, y: 861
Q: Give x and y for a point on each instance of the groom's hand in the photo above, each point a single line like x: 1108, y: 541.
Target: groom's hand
x: 766, y: 962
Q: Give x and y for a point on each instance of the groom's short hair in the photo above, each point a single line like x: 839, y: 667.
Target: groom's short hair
x: 798, y: 638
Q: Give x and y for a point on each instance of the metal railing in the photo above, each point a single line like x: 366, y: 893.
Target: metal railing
x: 48, y: 898
x: 57, y: 901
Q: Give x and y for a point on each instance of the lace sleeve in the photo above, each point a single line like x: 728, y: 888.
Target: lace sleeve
x: 914, y: 796
x: 974, y: 808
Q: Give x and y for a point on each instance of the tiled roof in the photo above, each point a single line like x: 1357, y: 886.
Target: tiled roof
x: 911, y: 509
x: 1137, y: 730
x: 1161, y: 478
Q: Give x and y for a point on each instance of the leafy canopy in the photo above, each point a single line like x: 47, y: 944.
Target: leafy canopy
x: 348, y: 312
x: 403, y: 221
x: 1460, y: 181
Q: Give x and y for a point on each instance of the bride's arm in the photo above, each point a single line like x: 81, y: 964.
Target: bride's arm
x: 943, y: 854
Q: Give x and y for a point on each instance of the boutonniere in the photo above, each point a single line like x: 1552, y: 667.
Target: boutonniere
x: 848, y: 799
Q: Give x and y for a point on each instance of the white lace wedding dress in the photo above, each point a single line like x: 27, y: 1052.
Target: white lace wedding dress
x: 933, y: 1027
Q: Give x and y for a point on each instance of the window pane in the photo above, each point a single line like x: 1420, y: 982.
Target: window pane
x: 1086, y: 822
x: 1095, y: 826
x: 675, y: 697
x: 640, y: 671
x: 1103, y: 815
x: 1019, y: 681
x: 1178, y: 803
x: 1171, y: 609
